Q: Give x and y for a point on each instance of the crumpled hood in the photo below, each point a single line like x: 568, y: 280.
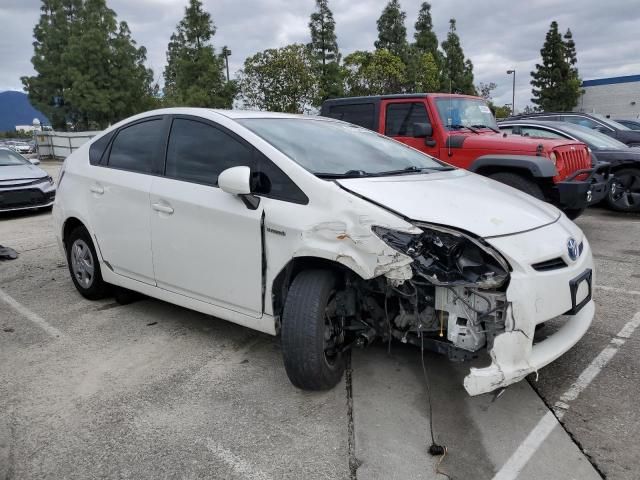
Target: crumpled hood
x: 458, y: 199
x: 20, y: 172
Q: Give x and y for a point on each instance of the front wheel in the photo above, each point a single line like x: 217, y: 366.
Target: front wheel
x: 311, y: 333
x: 624, y: 195
x: 519, y: 182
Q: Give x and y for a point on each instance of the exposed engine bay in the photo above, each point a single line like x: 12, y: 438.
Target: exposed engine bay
x: 454, y: 304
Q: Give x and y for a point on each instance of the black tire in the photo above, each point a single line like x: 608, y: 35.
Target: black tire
x: 573, y: 213
x: 96, y: 288
x: 303, y: 332
x: 519, y: 183
x: 626, y: 197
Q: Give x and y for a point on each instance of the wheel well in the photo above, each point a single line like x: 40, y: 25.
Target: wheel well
x: 283, y: 280
x: 491, y: 169
x: 69, y: 226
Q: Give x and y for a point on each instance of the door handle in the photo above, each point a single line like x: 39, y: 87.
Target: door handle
x: 95, y: 188
x: 159, y: 207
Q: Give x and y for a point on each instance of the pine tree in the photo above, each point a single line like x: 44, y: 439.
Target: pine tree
x: 392, y: 33
x: 457, y: 72
x: 426, y: 40
x: 47, y: 88
x: 324, y: 49
x: 194, y: 74
x: 89, y: 71
x: 556, y: 83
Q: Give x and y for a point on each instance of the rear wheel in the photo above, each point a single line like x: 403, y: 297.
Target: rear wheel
x: 84, y: 265
x: 519, y: 182
x: 311, y: 333
x: 624, y: 195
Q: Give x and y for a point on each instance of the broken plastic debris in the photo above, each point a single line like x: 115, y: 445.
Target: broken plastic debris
x: 7, y: 253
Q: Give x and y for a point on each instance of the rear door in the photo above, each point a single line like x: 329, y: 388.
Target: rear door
x: 398, y: 119
x: 118, y: 198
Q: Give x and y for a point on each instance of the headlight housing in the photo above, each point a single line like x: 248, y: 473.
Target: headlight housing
x: 447, y: 257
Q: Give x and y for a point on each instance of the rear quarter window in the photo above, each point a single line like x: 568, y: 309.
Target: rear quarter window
x: 98, y: 148
x: 361, y: 114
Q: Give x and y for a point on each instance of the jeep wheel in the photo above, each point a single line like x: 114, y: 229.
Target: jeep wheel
x: 519, y: 183
x: 311, y: 334
x: 624, y: 195
x: 84, y: 265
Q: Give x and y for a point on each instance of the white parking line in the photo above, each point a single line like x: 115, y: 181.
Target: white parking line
x: 512, y: 468
x: 33, y: 317
x: 239, y: 466
x: 617, y: 290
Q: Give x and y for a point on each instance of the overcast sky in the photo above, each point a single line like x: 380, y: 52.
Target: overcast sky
x: 496, y: 34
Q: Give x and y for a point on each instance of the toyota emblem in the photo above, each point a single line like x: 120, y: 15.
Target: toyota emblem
x: 572, y: 248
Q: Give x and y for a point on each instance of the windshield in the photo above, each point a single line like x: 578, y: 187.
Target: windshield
x: 593, y: 138
x: 610, y: 122
x: 328, y: 148
x: 459, y: 112
x: 8, y: 158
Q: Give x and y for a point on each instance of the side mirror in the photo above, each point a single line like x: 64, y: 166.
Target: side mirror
x: 235, y: 180
x: 422, y: 130
x: 34, y: 161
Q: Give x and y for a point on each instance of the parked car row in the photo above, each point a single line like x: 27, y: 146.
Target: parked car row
x: 23, y: 148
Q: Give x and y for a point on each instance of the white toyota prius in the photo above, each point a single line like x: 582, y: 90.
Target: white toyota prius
x: 326, y: 234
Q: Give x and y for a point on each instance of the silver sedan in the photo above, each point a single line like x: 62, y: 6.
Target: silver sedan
x: 23, y: 186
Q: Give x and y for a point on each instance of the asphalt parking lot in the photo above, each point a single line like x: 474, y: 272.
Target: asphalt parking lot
x: 152, y: 390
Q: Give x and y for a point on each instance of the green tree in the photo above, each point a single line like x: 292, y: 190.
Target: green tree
x: 324, y: 48
x: 89, y: 71
x: 109, y: 80
x: 377, y: 73
x: 51, y: 34
x: 194, y: 74
x: 555, y: 82
x: 426, y: 40
x: 392, y: 34
x: 423, y: 72
x: 279, y: 80
x: 457, y: 72
x: 485, y: 89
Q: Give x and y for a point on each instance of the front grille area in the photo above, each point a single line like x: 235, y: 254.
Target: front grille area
x: 553, y: 264
x: 28, y: 197
x: 571, y: 159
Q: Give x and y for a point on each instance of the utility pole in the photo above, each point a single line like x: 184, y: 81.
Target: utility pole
x: 226, y: 53
x: 513, y: 92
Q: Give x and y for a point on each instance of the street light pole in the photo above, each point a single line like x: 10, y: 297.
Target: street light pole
x: 226, y: 53
x: 513, y: 92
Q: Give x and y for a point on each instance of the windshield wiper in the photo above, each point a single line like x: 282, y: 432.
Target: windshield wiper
x: 458, y: 126
x: 347, y: 174
x: 410, y: 170
x: 486, y: 126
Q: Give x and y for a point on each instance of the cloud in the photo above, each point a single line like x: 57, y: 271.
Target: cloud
x: 496, y: 34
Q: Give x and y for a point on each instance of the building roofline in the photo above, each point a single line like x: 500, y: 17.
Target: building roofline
x: 611, y: 80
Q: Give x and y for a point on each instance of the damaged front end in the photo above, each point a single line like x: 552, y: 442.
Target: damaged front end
x: 454, y: 302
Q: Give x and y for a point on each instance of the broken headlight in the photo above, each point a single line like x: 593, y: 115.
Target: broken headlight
x: 446, y: 257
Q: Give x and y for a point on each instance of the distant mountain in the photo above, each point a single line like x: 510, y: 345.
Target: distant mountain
x: 15, y: 109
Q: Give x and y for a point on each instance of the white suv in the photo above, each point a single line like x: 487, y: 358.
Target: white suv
x: 327, y: 234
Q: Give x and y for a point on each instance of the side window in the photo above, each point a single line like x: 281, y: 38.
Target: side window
x: 97, y: 148
x: 539, y: 132
x: 400, y: 118
x: 198, y: 152
x: 585, y: 122
x: 268, y: 180
x: 508, y: 130
x: 136, y: 146
x: 361, y: 114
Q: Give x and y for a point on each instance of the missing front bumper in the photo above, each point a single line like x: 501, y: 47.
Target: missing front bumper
x: 514, y: 356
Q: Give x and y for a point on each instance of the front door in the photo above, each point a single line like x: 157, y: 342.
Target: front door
x: 399, y: 117
x: 206, y: 243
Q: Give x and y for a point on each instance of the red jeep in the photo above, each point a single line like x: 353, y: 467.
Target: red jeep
x: 462, y: 131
